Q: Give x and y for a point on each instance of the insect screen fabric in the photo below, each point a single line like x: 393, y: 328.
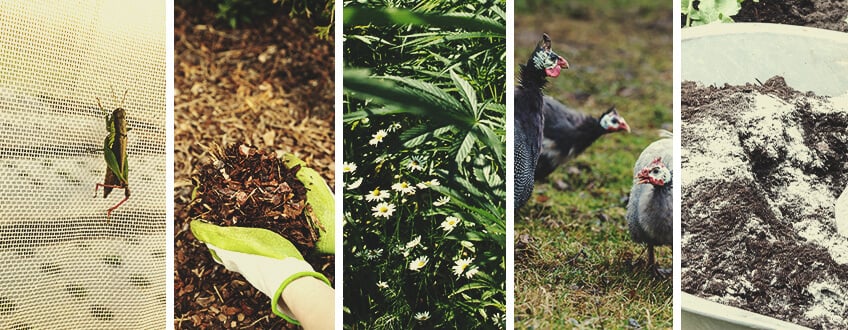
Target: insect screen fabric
x: 63, y: 264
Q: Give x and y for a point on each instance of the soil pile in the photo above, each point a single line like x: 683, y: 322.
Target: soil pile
x: 822, y: 14
x: 762, y: 168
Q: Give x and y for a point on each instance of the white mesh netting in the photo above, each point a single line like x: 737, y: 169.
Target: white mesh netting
x: 62, y: 264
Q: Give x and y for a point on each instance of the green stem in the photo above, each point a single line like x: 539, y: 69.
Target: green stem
x: 688, y: 15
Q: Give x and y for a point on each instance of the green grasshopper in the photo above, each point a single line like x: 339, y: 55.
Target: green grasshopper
x: 115, y: 153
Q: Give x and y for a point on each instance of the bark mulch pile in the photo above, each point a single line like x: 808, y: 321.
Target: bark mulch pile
x: 248, y: 187
x: 268, y: 85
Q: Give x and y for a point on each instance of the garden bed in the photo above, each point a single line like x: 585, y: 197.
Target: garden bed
x: 762, y: 167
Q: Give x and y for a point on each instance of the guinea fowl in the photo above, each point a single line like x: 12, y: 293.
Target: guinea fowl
x: 649, y: 211
x: 569, y: 132
x: 529, y: 118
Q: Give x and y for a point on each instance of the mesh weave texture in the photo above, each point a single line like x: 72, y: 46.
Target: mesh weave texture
x: 63, y: 265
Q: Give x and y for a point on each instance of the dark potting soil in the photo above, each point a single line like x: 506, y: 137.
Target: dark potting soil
x: 822, y: 14
x: 746, y: 241
x: 248, y: 187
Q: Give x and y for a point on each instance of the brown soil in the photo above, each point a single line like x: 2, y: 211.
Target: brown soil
x: 270, y: 86
x: 822, y: 14
x: 772, y: 249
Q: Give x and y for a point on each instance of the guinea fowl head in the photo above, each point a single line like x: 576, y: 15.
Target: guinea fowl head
x: 545, y: 59
x: 611, y: 121
x: 656, y: 173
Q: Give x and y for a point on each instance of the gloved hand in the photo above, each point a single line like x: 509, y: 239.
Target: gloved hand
x: 267, y: 260
x: 320, y: 198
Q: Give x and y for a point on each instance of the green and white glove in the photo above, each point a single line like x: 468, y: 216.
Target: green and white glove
x: 320, y: 198
x: 267, y: 260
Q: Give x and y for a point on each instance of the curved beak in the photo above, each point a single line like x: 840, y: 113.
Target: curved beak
x: 624, y: 125
x: 562, y: 62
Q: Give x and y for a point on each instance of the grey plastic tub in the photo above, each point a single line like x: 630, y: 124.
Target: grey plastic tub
x: 809, y: 59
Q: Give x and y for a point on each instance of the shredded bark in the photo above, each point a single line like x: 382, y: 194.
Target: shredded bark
x: 269, y: 85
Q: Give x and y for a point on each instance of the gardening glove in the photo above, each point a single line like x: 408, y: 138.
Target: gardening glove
x: 320, y: 198
x: 267, y: 260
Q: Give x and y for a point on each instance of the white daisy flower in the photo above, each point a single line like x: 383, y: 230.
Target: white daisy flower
x: 376, y: 138
x: 499, y: 319
x: 355, y: 184
x: 348, y: 167
x: 376, y: 195
x: 460, y: 266
x: 382, y: 285
x: 414, y: 242
x: 441, y: 201
x: 471, y: 272
x: 373, y: 254
x: 418, y: 263
x: 404, y: 187
x: 413, y: 166
x: 422, y: 316
x: 427, y: 184
x: 449, y: 224
x: 383, y: 209
x: 394, y: 127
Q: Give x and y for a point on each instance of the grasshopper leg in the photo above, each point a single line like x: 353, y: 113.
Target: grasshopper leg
x: 126, y: 196
x: 109, y: 211
x: 98, y: 185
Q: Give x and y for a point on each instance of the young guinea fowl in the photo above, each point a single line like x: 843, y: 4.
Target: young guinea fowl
x: 529, y: 118
x: 569, y: 132
x: 649, y: 211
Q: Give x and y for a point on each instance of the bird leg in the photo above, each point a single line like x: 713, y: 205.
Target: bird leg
x: 655, y: 268
x: 651, y: 256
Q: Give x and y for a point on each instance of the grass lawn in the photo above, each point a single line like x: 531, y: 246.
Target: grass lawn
x: 576, y: 265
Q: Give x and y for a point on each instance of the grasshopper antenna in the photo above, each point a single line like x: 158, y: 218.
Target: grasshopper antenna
x: 124, y: 98
x: 114, y: 98
x: 101, y: 105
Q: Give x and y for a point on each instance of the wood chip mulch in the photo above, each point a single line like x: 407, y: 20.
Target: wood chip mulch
x: 271, y: 86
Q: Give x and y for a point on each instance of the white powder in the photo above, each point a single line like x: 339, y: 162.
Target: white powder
x: 831, y: 105
x: 830, y: 301
x: 769, y: 125
x: 719, y: 154
x: 842, y: 213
